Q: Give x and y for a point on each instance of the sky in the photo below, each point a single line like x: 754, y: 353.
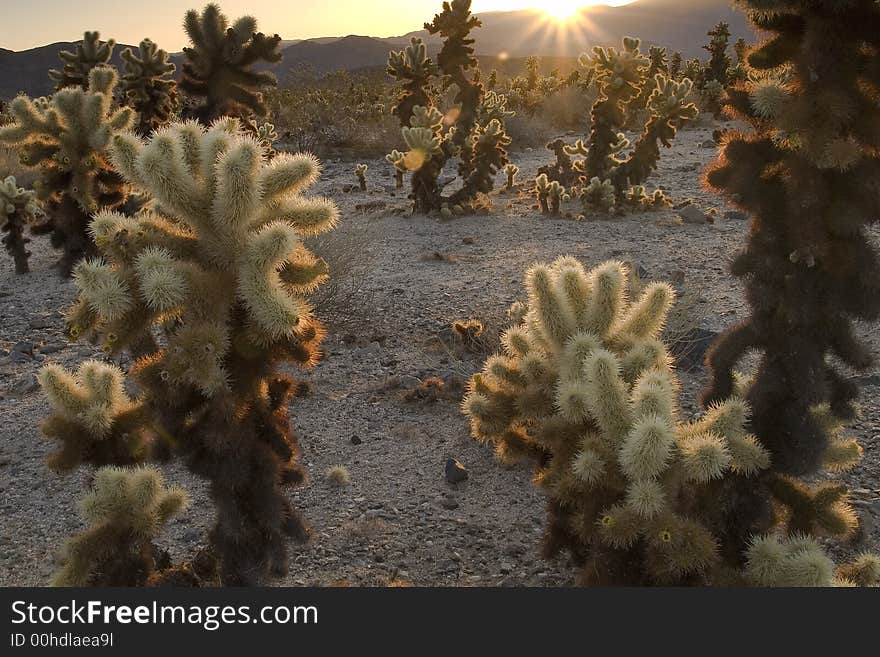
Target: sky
x: 39, y: 22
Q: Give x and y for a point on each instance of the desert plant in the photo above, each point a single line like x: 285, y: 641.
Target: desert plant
x: 586, y: 389
x: 807, y: 172
x: 219, y: 66
x: 675, y: 66
x: 619, y: 74
x: 360, y: 170
x: 125, y: 509
x: 510, y: 171
x: 397, y: 159
x: 90, y: 53
x: 550, y: 194
x: 267, y: 136
x: 719, y: 60
x: 433, y: 141
x: 65, y: 138
x: 148, y: 87
x: 18, y: 209
x: 220, y: 274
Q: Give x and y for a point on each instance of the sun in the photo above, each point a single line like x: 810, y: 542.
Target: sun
x: 562, y: 10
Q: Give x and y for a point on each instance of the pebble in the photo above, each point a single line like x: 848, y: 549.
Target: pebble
x: 455, y: 472
x: 690, y: 214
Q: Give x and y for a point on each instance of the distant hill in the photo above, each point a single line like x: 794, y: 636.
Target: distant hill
x: 676, y: 24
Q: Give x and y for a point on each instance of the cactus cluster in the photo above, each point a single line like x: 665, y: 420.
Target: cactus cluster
x: 623, y: 78
x: 18, y: 209
x: 148, y: 87
x: 471, y: 132
x: 219, y: 66
x: 218, y: 268
x: 586, y: 389
x: 90, y: 54
x: 66, y: 138
x: 550, y: 194
x: 807, y: 171
x: 125, y: 511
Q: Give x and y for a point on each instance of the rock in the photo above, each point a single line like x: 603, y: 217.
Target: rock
x: 690, y: 214
x: 708, y: 144
x: 24, y: 385
x: 24, y: 348
x: 408, y: 382
x: 736, y: 215
x: 868, y: 380
x: 19, y: 357
x: 449, y: 503
x: 455, y: 472
x: 52, y: 347
x: 41, y: 323
x: 356, y: 439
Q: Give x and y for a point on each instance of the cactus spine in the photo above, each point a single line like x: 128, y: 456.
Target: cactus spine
x: 90, y: 54
x: 18, y: 208
x: 66, y: 139
x: 148, y: 87
x: 219, y: 66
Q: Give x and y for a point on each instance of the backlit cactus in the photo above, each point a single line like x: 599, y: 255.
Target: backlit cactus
x: 90, y: 54
x: 360, y: 171
x: 550, y: 194
x: 219, y: 268
x: 586, y: 388
x: 65, y: 138
x: 93, y: 418
x: 148, y: 87
x: 219, y: 66
x: 622, y: 78
x: 807, y: 170
x: 510, y: 172
x: 18, y: 209
x: 471, y: 132
x: 125, y: 510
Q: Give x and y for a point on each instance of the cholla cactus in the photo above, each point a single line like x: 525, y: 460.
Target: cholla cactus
x: 638, y: 198
x: 599, y: 196
x: 542, y: 192
x: 398, y: 160
x: 125, y: 511
x: 219, y: 65
x: 586, y: 388
x: 622, y: 76
x: 221, y: 269
x: 66, y: 139
x: 92, y: 417
x: 267, y: 136
x: 360, y: 170
x: 472, y: 131
x: 148, y: 87
x: 800, y: 561
x: 90, y: 54
x: 510, y: 171
x: 18, y: 208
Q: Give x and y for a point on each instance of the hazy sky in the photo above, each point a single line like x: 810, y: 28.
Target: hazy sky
x: 29, y: 23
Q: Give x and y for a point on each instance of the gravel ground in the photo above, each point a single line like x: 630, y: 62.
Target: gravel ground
x: 399, y: 283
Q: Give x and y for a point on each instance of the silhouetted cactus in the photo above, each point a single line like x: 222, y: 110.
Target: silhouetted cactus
x: 719, y: 60
x: 125, y: 510
x: 586, y: 388
x: 472, y: 132
x: 18, y: 209
x: 510, y: 171
x: 621, y: 75
x: 221, y: 273
x: 65, y: 138
x: 90, y: 53
x: 807, y: 171
x: 148, y: 87
x: 219, y: 66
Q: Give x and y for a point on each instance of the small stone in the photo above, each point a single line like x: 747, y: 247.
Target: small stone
x: 455, y: 472
x: 356, y: 439
x: 41, y: 323
x: 691, y: 214
x: 449, y: 503
x: 24, y: 385
x: 408, y: 382
x: 708, y: 144
x: 52, y: 347
x: 19, y: 357
x: 736, y: 215
x: 24, y: 348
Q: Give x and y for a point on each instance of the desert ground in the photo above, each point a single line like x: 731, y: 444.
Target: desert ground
x: 399, y: 282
